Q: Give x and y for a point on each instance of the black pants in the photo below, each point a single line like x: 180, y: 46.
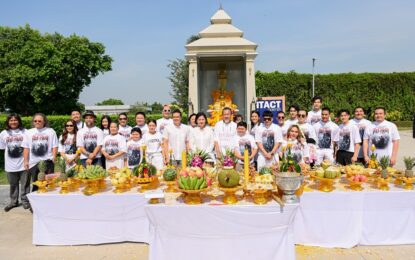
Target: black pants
x: 344, y: 157
x: 34, y: 172
x: 14, y: 178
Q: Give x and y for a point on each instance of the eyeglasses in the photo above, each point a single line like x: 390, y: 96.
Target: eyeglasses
x: 281, y: 117
x: 123, y: 118
x: 302, y: 115
x: 68, y: 125
x: 168, y: 110
x: 267, y: 119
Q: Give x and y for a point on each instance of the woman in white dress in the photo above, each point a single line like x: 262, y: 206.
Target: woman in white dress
x: 202, y: 137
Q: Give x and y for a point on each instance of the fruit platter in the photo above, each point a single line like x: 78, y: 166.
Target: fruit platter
x: 121, y: 180
x: 169, y: 177
x: 145, y: 175
x: 191, y: 182
x: 356, y: 181
x: 93, y: 176
x: 228, y: 179
x: 326, y: 176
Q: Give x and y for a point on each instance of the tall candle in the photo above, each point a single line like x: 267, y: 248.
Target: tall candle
x: 184, y: 159
x: 246, y: 167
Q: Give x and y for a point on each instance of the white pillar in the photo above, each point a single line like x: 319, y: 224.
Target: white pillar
x: 250, y: 83
x: 193, y: 88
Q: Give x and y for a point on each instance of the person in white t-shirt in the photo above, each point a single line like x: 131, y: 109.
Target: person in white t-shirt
x: 383, y: 135
x: 244, y: 140
x: 325, y: 131
x: 165, y: 120
x: 11, y: 140
x: 281, y: 122
x: 191, y: 121
x: 89, y: 140
x: 314, y: 115
x: 76, y: 116
x: 140, y: 120
x: 123, y: 128
x: 114, y: 147
x: 134, y: 148
x: 202, y: 137
x: 67, y: 144
x: 105, y: 127
x: 308, y: 135
x: 154, y: 142
x: 175, y: 138
x: 255, y: 122
x: 40, y: 144
x: 269, y: 139
x: 347, y: 139
x: 225, y: 132
x: 293, y: 116
x: 294, y: 143
x: 361, y: 122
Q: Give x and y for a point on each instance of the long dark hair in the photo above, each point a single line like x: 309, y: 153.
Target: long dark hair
x: 17, y: 117
x: 259, y: 119
x: 109, y: 121
x: 65, y: 132
x: 201, y: 114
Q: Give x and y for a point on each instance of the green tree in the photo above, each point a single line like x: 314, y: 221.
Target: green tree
x: 46, y: 72
x: 110, y: 102
x: 156, y: 108
x: 138, y: 107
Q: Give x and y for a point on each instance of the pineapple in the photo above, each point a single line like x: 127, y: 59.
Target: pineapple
x: 384, y: 163
x: 42, y: 166
x: 409, y: 164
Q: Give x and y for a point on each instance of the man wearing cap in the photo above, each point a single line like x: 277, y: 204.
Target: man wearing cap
x: 89, y: 140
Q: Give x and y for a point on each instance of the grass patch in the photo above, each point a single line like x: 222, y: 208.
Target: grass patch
x: 3, y: 177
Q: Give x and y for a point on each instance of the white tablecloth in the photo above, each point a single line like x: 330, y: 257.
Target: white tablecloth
x: 74, y: 219
x: 221, y: 232
x: 349, y: 218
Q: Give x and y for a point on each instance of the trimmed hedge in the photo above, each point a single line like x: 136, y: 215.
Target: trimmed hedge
x: 394, y: 91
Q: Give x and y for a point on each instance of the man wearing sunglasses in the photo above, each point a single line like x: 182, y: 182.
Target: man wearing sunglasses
x: 123, y: 128
x: 268, y: 138
x: 306, y: 128
x: 165, y: 120
x: 281, y: 122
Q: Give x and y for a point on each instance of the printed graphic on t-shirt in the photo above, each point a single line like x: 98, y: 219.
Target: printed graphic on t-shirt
x: 111, y: 147
x: 324, y: 138
x: 305, y: 131
x: 344, y: 139
x: 268, y: 140
x: 90, y: 141
x: 14, y: 148
x: 40, y: 144
x: 134, y: 154
x: 69, y: 147
x: 162, y: 126
x: 244, y: 144
x: 314, y: 119
x: 296, y: 152
x: 380, y: 137
x: 125, y: 133
x: 361, y: 131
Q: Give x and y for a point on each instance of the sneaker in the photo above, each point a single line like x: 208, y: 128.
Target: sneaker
x: 26, y: 205
x: 9, y: 207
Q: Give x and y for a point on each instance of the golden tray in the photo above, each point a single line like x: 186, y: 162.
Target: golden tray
x: 229, y: 197
x: 193, y: 197
x: 355, y: 185
x: 326, y: 184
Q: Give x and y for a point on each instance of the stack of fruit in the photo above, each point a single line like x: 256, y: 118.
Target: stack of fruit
x: 92, y: 172
x: 197, y: 158
x: 228, y: 178
x: 331, y: 172
x: 122, y: 180
x: 145, y: 173
x: 193, y: 178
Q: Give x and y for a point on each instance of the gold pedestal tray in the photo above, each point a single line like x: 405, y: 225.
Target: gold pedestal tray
x: 408, y: 183
x: 41, y: 186
x: 229, y: 197
x: 383, y: 184
x: 121, y: 187
x: 65, y: 185
x: 300, y: 190
x: 398, y: 179
x: 325, y: 184
x: 355, y: 185
x: 74, y: 184
x: 260, y: 196
x: 91, y: 187
x: 51, y: 183
x: 171, y: 186
x: 147, y: 183
x: 193, y: 197
x: 102, y: 185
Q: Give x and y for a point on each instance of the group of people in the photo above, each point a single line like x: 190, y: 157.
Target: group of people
x: 312, y: 135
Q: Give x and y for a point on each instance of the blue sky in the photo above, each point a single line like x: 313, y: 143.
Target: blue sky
x: 142, y: 36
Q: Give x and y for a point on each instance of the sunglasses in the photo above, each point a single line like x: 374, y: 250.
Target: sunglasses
x: 123, y: 118
x: 37, y: 121
x: 301, y: 115
x: 267, y: 119
x: 68, y: 125
x: 281, y: 117
x: 166, y: 110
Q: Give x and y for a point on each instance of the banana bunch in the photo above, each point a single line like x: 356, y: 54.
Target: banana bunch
x: 92, y: 172
x: 192, y: 183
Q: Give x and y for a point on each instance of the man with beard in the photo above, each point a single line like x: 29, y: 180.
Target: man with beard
x: 89, y: 140
x: 361, y: 123
x: 347, y: 139
x: 383, y: 135
x: 325, y: 131
x: 269, y: 139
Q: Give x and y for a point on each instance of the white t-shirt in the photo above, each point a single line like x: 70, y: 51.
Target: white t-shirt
x: 89, y: 138
x: 113, y: 144
x: 177, y: 137
x: 134, y: 152
x: 105, y: 132
x: 308, y: 131
x: 284, y: 130
x: 246, y: 141
x: 290, y: 122
x: 314, y: 116
x: 11, y: 141
x: 40, y: 142
x: 298, y: 150
x: 269, y: 136
x: 325, y: 134
x: 80, y: 125
x: 68, y: 147
x: 202, y: 139
x: 347, y: 136
x: 153, y: 143
x: 225, y: 134
x: 143, y: 128
x: 254, y: 129
x: 381, y: 135
x: 162, y: 123
x: 361, y: 125
x: 125, y: 131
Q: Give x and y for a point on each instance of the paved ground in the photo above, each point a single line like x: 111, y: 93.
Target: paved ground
x: 16, y: 236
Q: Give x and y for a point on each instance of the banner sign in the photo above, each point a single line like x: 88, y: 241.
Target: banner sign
x: 273, y: 104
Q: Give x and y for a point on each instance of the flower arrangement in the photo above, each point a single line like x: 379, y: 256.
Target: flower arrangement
x: 288, y: 163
